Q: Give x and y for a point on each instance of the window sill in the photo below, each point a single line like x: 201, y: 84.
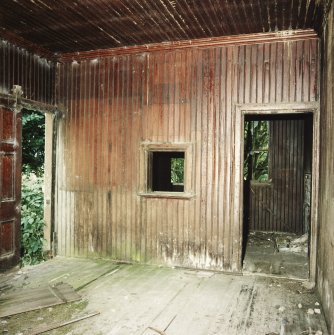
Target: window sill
x: 170, y: 195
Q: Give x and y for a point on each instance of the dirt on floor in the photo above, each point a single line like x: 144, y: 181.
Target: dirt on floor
x: 151, y: 300
x: 276, y: 253
x: 29, y: 322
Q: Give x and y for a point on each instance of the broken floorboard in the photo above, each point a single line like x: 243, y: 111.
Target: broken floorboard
x: 36, y: 298
x: 75, y: 271
x: 140, y: 299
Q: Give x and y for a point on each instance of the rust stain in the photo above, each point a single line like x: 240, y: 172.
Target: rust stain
x: 116, y: 103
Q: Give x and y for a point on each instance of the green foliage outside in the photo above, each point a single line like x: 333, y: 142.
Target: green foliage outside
x: 33, y: 139
x: 32, y: 219
x: 32, y: 203
x: 256, y: 165
x: 177, y: 171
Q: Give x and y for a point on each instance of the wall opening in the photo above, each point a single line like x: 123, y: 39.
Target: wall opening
x: 167, y: 171
x: 256, y: 161
x: 32, y: 198
x: 277, y: 179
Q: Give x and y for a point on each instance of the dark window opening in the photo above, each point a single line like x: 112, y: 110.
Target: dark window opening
x: 167, y: 171
x: 256, y: 165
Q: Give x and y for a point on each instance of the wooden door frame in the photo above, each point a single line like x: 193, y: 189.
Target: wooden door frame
x: 17, y: 103
x: 49, y: 159
x: 277, y: 109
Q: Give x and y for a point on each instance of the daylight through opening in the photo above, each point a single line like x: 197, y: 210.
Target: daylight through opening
x: 32, y: 203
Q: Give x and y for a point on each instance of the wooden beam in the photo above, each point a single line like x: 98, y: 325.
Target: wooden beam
x: 49, y: 122
x: 244, y: 39
x: 29, y: 104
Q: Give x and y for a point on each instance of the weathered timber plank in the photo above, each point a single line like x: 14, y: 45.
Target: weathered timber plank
x: 37, y: 298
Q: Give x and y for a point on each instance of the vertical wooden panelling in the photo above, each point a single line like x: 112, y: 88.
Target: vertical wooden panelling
x: 278, y: 204
x: 36, y: 75
x: 10, y: 186
x: 325, y: 251
x: 114, y: 103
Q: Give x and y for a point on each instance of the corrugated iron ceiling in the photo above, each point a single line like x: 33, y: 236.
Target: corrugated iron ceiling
x: 61, y: 26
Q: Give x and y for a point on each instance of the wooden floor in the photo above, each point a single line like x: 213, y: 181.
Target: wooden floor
x: 148, y: 300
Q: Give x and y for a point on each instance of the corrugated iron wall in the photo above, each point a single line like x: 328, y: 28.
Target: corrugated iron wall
x: 35, y: 74
x: 278, y: 204
x: 115, y: 103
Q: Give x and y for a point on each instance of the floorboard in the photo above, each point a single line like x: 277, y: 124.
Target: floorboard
x: 139, y: 299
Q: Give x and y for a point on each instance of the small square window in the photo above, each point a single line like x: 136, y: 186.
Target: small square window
x: 167, y: 171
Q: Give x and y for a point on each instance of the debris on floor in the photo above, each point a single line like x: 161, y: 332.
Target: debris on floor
x: 299, y: 244
x: 58, y: 325
x: 32, y: 299
x: 166, y: 301
x: 277, y: 253
x: 38, y: 320
x: 279, y: 241
x: 308, y: 285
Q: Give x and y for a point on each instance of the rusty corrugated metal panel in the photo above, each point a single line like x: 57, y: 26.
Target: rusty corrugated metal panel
x: 34, y: 74
x: 278, y: 205
x: 68, y: 26
x: 183, y: 96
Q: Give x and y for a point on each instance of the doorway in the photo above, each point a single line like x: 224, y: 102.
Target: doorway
x: 14, y: 114
x: 32, y: 196
x: 277, y: 193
